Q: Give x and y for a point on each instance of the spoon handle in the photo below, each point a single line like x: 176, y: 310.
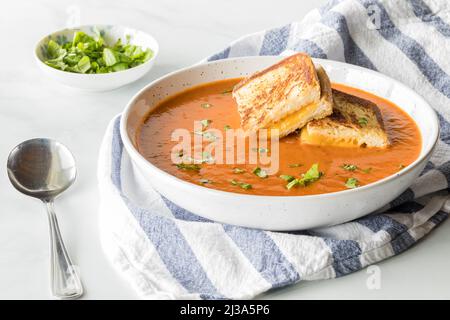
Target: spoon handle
x: 66, y: 283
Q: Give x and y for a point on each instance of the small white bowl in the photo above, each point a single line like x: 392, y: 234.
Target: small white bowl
x: 279, y: 212
x: 103, y: 81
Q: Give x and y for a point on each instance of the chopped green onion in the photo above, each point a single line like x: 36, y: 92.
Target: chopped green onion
x: 227, y: 127
x: 246, y: 186
x: 312, y: 175
x: 119, y: 66
x: 260, y: 172
x: 352, y: 183
x: 349, y: 167
x: 292, y: 183
x: 55, y: 51
x: 188, y: 166
x: 86, y: 54
x: 109, y: 57
x: 206, y: 105
x: 287, y: 177
x: 243, y: 185
x: 352, y: 167
x: 84, y: 64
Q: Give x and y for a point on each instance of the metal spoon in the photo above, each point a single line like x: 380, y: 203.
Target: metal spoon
x: 44, y: 168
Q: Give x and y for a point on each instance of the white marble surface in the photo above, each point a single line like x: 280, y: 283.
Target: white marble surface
x: 32, y: 106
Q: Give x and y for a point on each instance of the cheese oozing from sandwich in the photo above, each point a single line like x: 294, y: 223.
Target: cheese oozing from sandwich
x: 355, y: 122
x: 284, y: 96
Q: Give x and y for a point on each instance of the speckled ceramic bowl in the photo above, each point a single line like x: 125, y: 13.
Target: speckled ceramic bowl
x: 280, y: 212
x: 104, y: 81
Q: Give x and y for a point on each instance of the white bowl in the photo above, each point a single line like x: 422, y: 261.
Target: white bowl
x: 104, y: 81
x: 280, y: 212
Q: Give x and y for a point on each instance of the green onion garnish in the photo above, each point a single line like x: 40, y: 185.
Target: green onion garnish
x: 188, y: 166
x: 349, y: 167
x: 292, y: 184
x: 260, y: 172
x: 352, y: 183
x: 87, y: 54
x: 310, y: 176
x: 287, y: 177
x: 243, y: 185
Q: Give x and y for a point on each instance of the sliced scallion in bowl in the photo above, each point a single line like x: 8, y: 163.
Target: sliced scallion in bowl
x: 91, y: 55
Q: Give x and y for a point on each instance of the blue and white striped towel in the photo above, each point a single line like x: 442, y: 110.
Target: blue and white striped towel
x: 167, y: 252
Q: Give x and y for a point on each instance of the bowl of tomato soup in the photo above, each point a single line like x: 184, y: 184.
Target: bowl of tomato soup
x: 196, y: 104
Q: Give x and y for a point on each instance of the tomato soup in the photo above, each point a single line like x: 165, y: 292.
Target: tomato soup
x: 213, y: 102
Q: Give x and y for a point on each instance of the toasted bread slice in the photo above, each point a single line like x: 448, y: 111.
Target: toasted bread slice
x: 355, y: 122
x: 284, y: 96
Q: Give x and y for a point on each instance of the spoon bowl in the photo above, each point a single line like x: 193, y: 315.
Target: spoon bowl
x: 43, y: 169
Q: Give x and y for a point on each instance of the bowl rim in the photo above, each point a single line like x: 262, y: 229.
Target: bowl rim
x: 84, y: 75
x: 135, y: 155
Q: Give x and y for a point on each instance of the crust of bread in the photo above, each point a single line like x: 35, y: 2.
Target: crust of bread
x: 284, y: 96
x: 355, y: 122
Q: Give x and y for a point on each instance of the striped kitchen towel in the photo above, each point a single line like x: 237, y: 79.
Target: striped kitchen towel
x: 166, y: 252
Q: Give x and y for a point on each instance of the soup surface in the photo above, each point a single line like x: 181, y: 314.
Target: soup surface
x: 213, y: 102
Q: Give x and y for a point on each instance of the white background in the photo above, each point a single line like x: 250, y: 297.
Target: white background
x: 32, y: 106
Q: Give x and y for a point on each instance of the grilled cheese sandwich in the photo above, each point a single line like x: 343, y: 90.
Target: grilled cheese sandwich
x: 355, y: 122
x: 284, y: 96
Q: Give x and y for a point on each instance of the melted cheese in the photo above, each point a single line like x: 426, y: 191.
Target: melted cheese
x: 327, y: 140
x: 295, y: 120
